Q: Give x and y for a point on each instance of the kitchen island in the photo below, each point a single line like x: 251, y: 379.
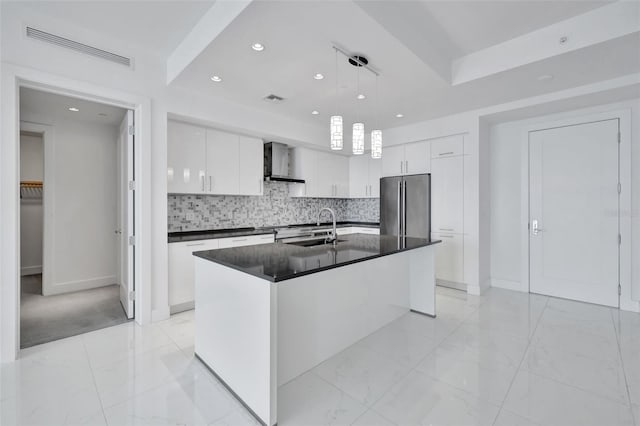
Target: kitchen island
x: 267, y: 313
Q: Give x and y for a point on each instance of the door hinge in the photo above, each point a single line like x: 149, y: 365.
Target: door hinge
x: 132, y: 240
x: 619, y: 188
x: 619, y: 137
x: 132, y: 130
x: 619, y: 290
x: 132, y: 295
x: 132, y: 185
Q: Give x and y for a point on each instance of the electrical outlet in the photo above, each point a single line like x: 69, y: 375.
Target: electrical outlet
x: 191, y: 216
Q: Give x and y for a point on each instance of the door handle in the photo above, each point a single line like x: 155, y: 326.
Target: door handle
x: 535, y: 229
x: 210, y: 183
x: 406, y: 166
x: 399, y: 208
x: 404, y: 208
x: 400, y: 166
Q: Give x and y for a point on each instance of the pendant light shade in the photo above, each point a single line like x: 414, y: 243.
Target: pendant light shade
x: 376, y: 144
x: 358, y: 138
x: 336, y: 132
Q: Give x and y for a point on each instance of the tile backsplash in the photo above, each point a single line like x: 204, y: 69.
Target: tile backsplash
x: 274, y: 208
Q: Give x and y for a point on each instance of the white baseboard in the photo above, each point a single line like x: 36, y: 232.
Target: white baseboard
x: 629, y: 305
x: 181, y: 307
x: 30, y: 270
x: 507, y: 284
x: 71, y: 286
x: 451, y: 284
x: 160, y: 314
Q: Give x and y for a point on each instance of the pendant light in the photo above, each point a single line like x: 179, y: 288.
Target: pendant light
x: 335, y: 126
x: 376, y: 135
x: 358, y: 127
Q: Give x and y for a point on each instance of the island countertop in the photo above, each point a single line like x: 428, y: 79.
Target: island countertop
x: 280, y: 261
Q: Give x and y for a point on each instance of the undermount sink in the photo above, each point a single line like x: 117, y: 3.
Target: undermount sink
x: 312, y: 243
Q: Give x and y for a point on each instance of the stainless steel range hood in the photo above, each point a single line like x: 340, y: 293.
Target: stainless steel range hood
x: 276, y: 163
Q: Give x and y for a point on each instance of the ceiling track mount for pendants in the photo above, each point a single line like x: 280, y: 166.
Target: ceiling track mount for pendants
x: 357, y: 60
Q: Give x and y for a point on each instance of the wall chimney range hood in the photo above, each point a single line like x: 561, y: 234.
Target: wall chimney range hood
x: 276, y: 163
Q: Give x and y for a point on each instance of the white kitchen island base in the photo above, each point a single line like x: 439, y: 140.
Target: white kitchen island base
x: 255, y: 334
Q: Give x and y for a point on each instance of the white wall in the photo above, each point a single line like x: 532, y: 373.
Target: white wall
x: 83, y: 171
x: 31, y: 169
x: 506, y: 191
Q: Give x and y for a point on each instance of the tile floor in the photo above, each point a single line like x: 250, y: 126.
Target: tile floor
x: 47, y: 318
x: 502, y: 359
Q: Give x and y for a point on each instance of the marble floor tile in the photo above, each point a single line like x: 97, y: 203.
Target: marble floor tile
x: 309, y: 400
x: 548, y: 402
x: 507, y: 418
x: 636, y: 413
x: 483, y: 343
x: 371, y: 418
x: 122, y: 342
x: 362, y: 373
x: 484, y: 378
x: 118, y: 381
x: 421, y: 400
x: 193, y: 398
x: 180, y: 328
x: 604, y: 377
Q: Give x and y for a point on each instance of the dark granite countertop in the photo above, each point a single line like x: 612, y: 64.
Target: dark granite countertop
x: 178, y: 237
x: 279, y: 261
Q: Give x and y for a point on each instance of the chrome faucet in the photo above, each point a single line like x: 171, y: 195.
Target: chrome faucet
x: 333, y: 239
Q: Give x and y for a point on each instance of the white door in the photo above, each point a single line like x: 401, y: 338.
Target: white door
x: 573, y: 223
x: 126, y: 214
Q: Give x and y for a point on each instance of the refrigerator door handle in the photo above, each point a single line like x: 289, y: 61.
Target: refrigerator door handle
x: 404, y: 208
x: 399, y: 209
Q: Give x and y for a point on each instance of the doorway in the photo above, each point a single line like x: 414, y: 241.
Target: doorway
x: 574, y: 212
x: 86, y: 277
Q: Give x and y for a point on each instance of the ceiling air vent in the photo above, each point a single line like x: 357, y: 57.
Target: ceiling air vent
x: 273, y: 98
x: 77, y: 46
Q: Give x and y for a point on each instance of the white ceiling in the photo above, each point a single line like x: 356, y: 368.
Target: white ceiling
x: 475, y: 25
x: 158, y: 26
x: 45, y: 104
x: 299, y: 38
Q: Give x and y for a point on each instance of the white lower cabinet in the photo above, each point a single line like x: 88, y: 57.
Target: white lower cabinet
x: 181, y: 279
x: 181, y: 265
x: 449, y: 257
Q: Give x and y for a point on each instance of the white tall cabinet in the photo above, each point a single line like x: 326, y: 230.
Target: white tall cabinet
x: 210, y: 161
x: 447, y: 208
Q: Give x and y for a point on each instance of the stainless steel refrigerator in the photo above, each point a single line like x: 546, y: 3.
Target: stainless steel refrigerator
x: 405, y: 206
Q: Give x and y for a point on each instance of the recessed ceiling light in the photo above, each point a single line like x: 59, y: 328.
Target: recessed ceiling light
x: 563, y: 39
x: 545, y: 77
x: 258, y: 47
x: 318, y: 76
x: 74, y: 109
x: 314, y: 112
x: 361, y: 96
x: 399, y: 115
x: 216, y: 78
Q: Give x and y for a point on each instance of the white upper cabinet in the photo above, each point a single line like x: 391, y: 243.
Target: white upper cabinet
x: 447, y: 209
x: 326, y: 175
x: 417, y: 158
x: 409, y: 159
x: 223, y: 160
x: 251, y: 166
x: 186, y: 163
x: 209, y: 161
x: 447, y: 147
x: 393, y: 160
x: 364, y: 177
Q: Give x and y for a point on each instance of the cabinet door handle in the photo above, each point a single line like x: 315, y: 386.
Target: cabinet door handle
x: 446, y: 153
x: 400, y: 166
x: 239, y: 240
x: 202, y: 183
x: 195, y: 244
x: 446, y: 229
x: 445, y: 236
x: 210, y: 183
x: 406, y: 166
